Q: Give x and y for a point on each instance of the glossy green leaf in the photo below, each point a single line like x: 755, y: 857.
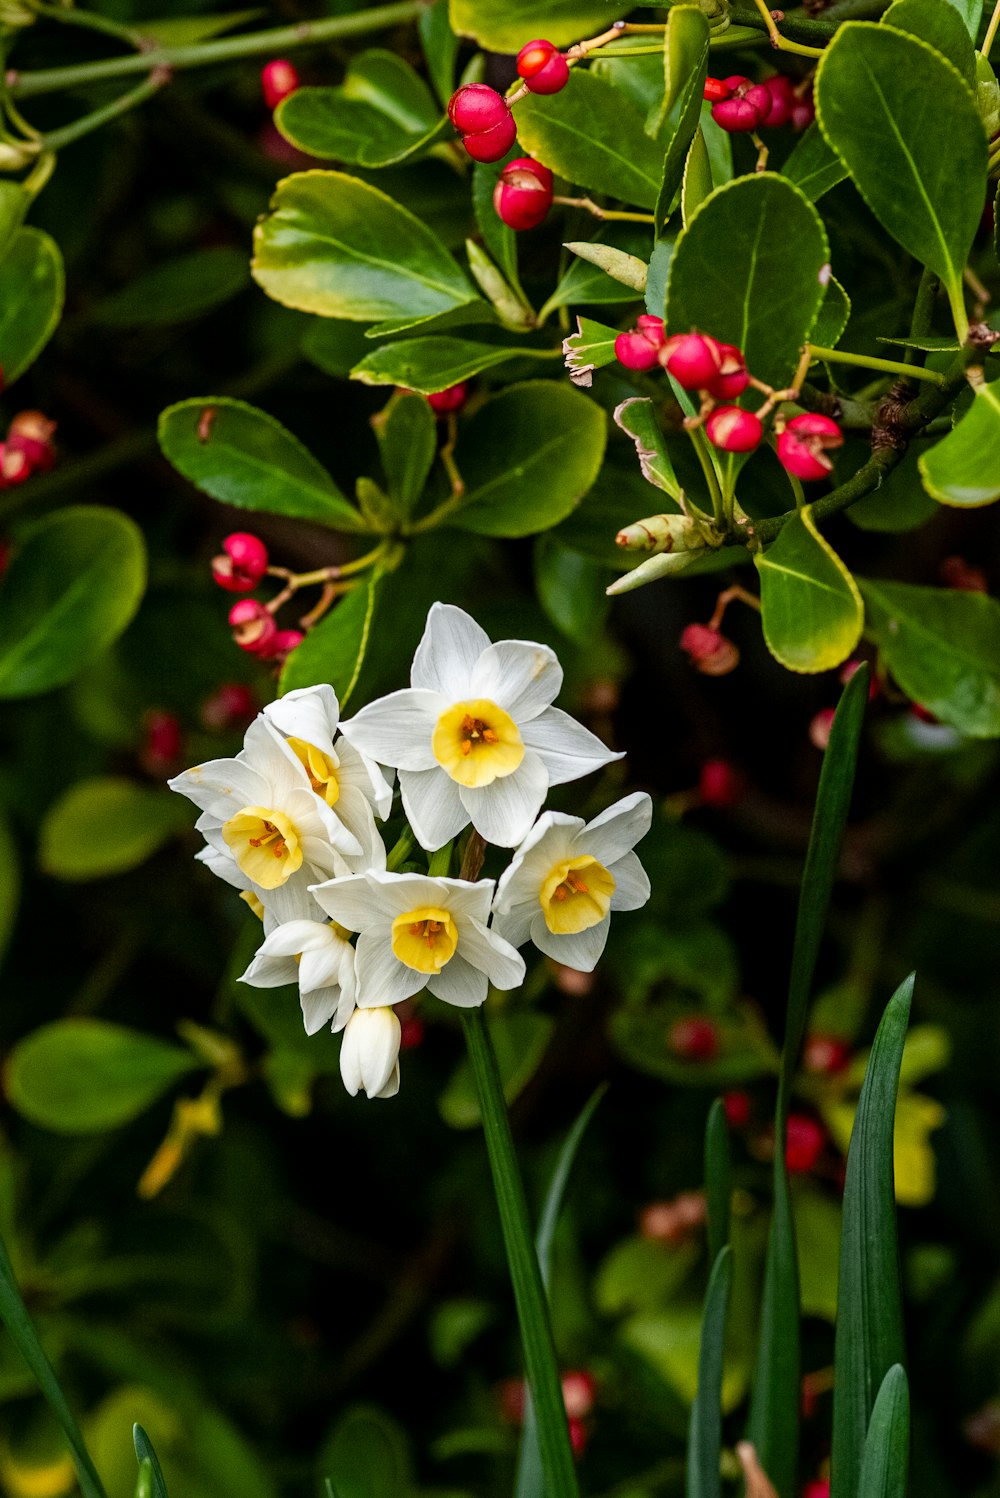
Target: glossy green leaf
x: 901, y: 503
x: 31, y: 300
x: 869, y: 1336
x: 382, y: 113
x: 832, y: 317
x: 431, y: 364
x: 811, y: 609
x: 705, y: 1429
x: 81, y: 1076
x: 746, y: 269
x: 145, y: 1454
x: 243, y: 457
x: 334, y: 245
x: 505, y: 25
x: 600, y: 274
x: 144, y: 1481
x: 335, y: 346
x: 939, y: 23
x: 74, y: 583
x: 963, y: 469
x: 971, y: 12
x: 368, y: 1455
x: 570, y: 587
x: 812, y: 165
x: 774, y: 1410
x: 685, y: 66
x: 886, y: 1457
x: 697, y: 183
x: 105, y: 826
x: 14, y: 205
x: 637, y: 417
x: 185, y: 287
x: 440, y: 47
x: 880, y: 98
x: 407, y: 440
x: 718, y: 1179
x: 335, y: 650
x: 591, y: 135
x: 499, y: 239
x: 591, y: 347
x: 943, y: 648
x: 527, y: 456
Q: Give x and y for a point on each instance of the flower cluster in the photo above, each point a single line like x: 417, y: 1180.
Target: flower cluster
x: 292, y: 823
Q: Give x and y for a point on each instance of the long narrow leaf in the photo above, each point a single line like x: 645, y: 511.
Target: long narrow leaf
x: 887, y: 1445
x: 145, y: 1483
x: 144, y: 1453
x: 25, y: 1338
x: 774, y: 1410
x: 718, y: 1179
x: 869, y: 1338
x: 705, y: 1429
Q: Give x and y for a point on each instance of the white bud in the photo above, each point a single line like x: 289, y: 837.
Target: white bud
x: 369, y: 1054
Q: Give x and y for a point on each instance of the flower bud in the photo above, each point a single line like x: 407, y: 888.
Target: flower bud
x: 369, y: 1053
x: 733, y: 376
x: 715, y: 90
x: 733, y: 429
x: 232, y: 705
x: 804, y: 1143
x: 242, y: 564
x: 693, y: 1038
x: 278, y: 79
x: 803, y: 445
x: 693, y: 359
x: 709, y: 650
x: 720, y: 784
x: 747, y: 108
x: 484, y: 120
x: 442, y: 402
x: 543, y: 67
x: 30, y: 433
x: 523, y: 194
x: 783, y: 99
x: 659, y: 533
x: 253, y: 627
x: 825, y: 1055
x: 736, y: 1106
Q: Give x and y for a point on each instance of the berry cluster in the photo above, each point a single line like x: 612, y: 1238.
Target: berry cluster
x: 241, y: 566
x: 27, y: 448
x: 741, y: 106
x: 484, y: 120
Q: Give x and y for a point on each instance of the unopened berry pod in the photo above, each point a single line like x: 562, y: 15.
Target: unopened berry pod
x: 693, y: 359
x: 543, y: 67
x: 523, y: 194
x: 734, y: 430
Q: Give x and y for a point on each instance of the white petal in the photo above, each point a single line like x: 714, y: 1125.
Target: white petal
x: 321, y: 966
x: 356, y: 772
x: 459, y: 983
x: 581, y: 950
x: 616, y: 831
x: 224, y: 866
x: 370, y: 1051
x: 392, y: 1086
x: 394, y: 894
x: 291, y: 901
x: 396, y: 730
x: 266, y: 751
x: 348, y: 901
x: 308, y: 713
x: 631, y: 883
x: 221, y: 786
x: 503, y: 812
x: 382, y: 978
x: 514, y: 924
x: 519, y: 675
x: 433, y: 806
x: 547, y: 843
x: 568, y: 749
x: 319, y: 1006
x: 293, y: 937
x: 270, y: 972
x: 447, y: 654
x: 494, y: 956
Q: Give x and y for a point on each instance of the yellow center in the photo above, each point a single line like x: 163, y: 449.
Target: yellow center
x: 575, y: 895
x: 249, y: 898
x: 476, y: 742
x: 320, y: 768
x: 425, y: 939
x: 265, y: 844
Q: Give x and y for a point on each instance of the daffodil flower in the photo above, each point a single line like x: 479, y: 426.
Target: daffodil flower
x: 319, y: 958
x: 369, y: 1052
x: 474, y: 736
x: 568, y: 876
x: 421, y: 932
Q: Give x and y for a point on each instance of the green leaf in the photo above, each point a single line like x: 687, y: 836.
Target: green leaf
x: 591, y: 135
x: 432, y: 364
x: 685, y: 66
x: 335, y: 650
x: 811, y: 608
x: 74, y: 584
x: 185, y: 287
x: 14, y: 205
x: 812, y: 166
x: 570, y: 587
x: 963, y: 469
x: 407, y: 440
x: 971, y: 12
x: 880, y: 98
x: 31, y: 299
x: 105, y: 826
x: 144, y: 1481
x: 505, y: 25
x: 81, y: 1076
x: 938, y: 23
x: 943, y: 648
x: 334, y: 245
x: 500, y: 240
x: 746, y: 269
x: 637, y: 417
x: 718, y: 1179
x: 869, y: 1336
x: 589, y: 348
x: 144, y: 1453
x: 887, y: 1444
x: 382, y: 113
x: 527, y: 456
x: 705, y: 1429
x: 440, y: 47
x: 600, y: 274
x: 185, y: 31
x: 832, y: 317
x: 697, y: 183
x: 368, y: 1455
x: 243, y: 457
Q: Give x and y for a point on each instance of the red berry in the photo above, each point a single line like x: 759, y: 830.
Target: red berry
x: 485, y: 121
x: 523, y: 194
x: 411, y: 1033
x: 492, y: 145
x: 652, y: 328
x: 733, y: 377
x: 232, y: 706
x: 747, y: 108
x: 543, y: 67
x: 693, y: 1039
x: 818, y: 1488
x: 710, y: 651
x: 15, y: 467
x: 30, y: 433
x: 733, y: 429
x: 284, y: 642
x: 804, y: 1143
x: 243, y: 563
x: 715, y: 90
x: 736, y: 1106
x: 819, y: 727
x: 578, y: 1390
x: 635, y: 351
x: 163, y: 742
x: 803, y: 113
x: 452, y: 399
x: 278, y: 79
x: 254, y: 629
x: 783, y: 98
x: 825, y: 1055
x: 803, y: 444
x: 720, y: 784
x: 693, y: 359
x: 578, y: 1436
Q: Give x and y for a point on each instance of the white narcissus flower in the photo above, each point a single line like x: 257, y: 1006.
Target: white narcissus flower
x: 319, y: 958
x: 421, y: 932
x: 567, y: 877
x: 369, y: 1052
x: 474, y: 736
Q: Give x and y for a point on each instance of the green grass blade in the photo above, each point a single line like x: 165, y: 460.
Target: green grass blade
x: 869, y: 1337
x: 17, y: 1321
x: 887, y: 1445
x: 145, y: 1483
x: 774, y: 1411
x: 718, y: 1179
x: 705, y: 1428
x: 144, y: 1453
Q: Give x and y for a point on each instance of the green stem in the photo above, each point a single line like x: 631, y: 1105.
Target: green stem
x: 278, y: 40
x: 793, y: 28
x: 540, y: 1361
x: 400, y: 851
x: 711, y: 477
x: 887, y: 366
x: 56, y: 139
x: 923, y: 312
x: 991, y: 30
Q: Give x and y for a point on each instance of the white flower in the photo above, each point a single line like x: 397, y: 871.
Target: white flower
x: 474, y: 736
x: 369, y: 1052
x: 567, y: 877
x: 319, y: 958
x: 421, y: 932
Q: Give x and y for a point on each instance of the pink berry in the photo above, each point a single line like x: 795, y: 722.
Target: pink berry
x: 825, y: 1055
x: 715, y: 90
x: 733, y: 429
x: 818, y: 1488
x: 484, y: 120
x: 254, y: 629
x: 803, y: 444
x: 710, y: 651
x: 578, y: 1434
x: 693, y: 359
x: 232, y: 705
x: 15, y: 467
x: 284, y: 642
x: 278, y: 79
x: 453, y: 399
x: 720, y: 784
x: 783, y: 98
x: 747, y: 108
x: 803, y: 113
x: 652, y: 328
x: 804, y: 1143
x: 492, y: 145
x: 736, y: 1106
x: 163, y: 742
x: 242, y: 564
x: 634, y: 351
x: 819, y: 727
x: 578, y: 1390
x: 543, y: 67
x: 523, y: 194
x: 693, y: 1039
x: 30, y: 433
x: 733, y: 376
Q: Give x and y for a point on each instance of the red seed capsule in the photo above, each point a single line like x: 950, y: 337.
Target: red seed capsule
x: 232, y: 705
x: 715, y: 90
x: 803, y: 444
x: 579, y: 1388
x: 803, y: 113
x: 543, y: 67
x: 733, y: 429
x: 804, y: 1143
x: 736, y: 1106
x: 278, y: 79
x: 635, y: 351
x: 783, y: 99
x: 733, y: 376
x: 453, y: 399
x: 523, y: 194
x: 491, y: 145
x: 254, y: 629
x: 747, y: 107
x: 825, y: 1055
x: 693, y: 1039
x: 484, y: 120
x: 820, y: 726
x: 30, y: 433
x: 242, y: 564
x: 693, y: 359
x: 709, y: 650
x: 652, y: 328
x: 720, y: 784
